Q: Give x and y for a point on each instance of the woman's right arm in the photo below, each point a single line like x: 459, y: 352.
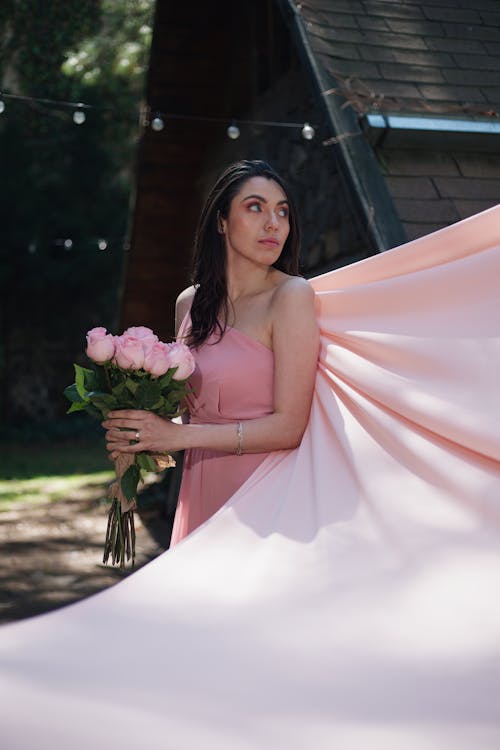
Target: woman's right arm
x: 183, y: 305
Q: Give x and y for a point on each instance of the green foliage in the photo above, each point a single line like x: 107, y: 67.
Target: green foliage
x: 96, y: 393
x: 64, y: 181
x: 148, y: 394
x: 85, y: 380
x: 145, y: 462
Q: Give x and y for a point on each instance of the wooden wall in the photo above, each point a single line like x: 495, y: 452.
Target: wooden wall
x: 206, y: 59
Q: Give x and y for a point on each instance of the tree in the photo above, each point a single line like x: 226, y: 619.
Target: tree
x: 66, y: 188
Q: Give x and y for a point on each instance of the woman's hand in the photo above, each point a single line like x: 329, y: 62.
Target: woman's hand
x: 136, y: 431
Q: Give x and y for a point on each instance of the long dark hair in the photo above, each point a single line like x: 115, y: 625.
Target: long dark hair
x: 209, y: 258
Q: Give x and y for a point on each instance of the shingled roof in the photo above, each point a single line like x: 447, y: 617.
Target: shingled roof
x: 411, y: 55
x: 426, y: 57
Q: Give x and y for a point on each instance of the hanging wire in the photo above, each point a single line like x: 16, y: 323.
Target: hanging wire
x: 158, y: 115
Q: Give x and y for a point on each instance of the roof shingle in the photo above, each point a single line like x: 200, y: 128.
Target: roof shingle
x: 432, y: 56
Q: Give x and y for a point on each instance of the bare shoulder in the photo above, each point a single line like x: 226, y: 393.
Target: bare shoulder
x: 295, y: 329
x: 293, y: 312
x: 292, y: 292
x: 183, y: 305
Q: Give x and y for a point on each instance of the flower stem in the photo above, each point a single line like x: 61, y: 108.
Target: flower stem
x: 108, y: 379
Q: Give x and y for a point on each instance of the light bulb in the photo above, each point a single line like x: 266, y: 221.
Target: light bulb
x: 79, y: 116
x: 102, y: 244
x: 2, y: 106
x: 157, y: 124
x: 233, y: 131
x: 68, y: 244
x: 308, y: 132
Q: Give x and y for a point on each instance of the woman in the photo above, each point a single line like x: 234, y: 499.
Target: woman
x: 347, y: 595
x: 249, y: 319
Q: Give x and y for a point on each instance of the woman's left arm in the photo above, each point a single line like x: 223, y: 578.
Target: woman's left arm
x: 295, y: 347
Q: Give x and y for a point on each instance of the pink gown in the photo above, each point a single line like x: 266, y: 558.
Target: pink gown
x: 233, y: 380
x: 347, y: 595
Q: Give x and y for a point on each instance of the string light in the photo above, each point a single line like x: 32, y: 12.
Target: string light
x: 68, y: 244
x: 233, y: 131
x: 79, y: 116
x: 157, y: 123
x: 308, y: 132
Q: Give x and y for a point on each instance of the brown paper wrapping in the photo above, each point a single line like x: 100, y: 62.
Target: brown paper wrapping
x: 122, y: 463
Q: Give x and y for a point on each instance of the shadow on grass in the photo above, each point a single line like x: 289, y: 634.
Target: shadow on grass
x: 52, y: 528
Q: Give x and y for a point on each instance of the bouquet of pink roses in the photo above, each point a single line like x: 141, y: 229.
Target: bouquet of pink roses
x: 132, y: 371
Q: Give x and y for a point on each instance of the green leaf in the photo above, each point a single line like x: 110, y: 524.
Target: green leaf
x: 146, y: 462
x: 129, y: 482
x: 95, y: 412
x: 148, y: 393
x: 100, y: 378
x: 131, y: 385
x: 99, y: 410
x: 155, y: 408
x: 121, y: 392
x: 72, y: 394
x: 99, y: 394
x: 103, y: 405
x: 77, y: 406
x: 160, y: 404
x: 164, y: 380
x: 116, y: 376
x: 103, y: 398
x: 85, y: 380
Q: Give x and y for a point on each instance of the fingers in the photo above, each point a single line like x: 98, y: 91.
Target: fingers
x: 127, y: 414
x: 120, y: 436
x: 124, y: 448
x: 127, y: 423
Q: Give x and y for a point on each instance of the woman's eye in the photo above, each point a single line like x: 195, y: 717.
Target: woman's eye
x: 257, y: 208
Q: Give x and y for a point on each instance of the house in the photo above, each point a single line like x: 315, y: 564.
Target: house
x: 403, y: 97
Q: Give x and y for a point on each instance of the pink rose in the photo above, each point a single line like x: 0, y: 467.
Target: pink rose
x: 181, y: 357
x: 145, y: 336
x: 157, y: 359
x: 129, y: 353
x: 100, y: 345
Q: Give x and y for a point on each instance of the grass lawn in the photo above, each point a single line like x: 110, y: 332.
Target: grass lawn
x: 53, y: 513
x: 41, y: 471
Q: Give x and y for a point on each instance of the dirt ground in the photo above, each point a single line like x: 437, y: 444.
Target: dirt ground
x: 52, y: 552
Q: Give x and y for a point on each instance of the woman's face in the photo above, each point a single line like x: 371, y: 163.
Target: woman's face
x: 258, y: 221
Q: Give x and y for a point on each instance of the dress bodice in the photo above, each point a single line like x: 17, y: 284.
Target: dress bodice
x: 233, y: 378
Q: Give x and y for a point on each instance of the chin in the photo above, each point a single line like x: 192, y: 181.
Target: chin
x: 271, y: 254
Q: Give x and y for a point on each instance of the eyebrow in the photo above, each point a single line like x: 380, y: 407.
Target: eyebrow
x: 254, y: 195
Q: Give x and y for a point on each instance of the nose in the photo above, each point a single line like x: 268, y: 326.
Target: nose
x: 272, y: 221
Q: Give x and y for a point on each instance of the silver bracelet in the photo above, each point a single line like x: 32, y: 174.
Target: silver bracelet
x: 239, y: 449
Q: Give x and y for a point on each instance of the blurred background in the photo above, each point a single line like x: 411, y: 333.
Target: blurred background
x: 116, y: 116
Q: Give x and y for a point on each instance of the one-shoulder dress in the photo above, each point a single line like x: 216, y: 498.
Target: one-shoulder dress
x: 354, y: 600
x: 232, y: 381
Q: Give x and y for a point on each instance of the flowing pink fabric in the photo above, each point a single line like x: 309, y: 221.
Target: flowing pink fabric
x: 347, y: 595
